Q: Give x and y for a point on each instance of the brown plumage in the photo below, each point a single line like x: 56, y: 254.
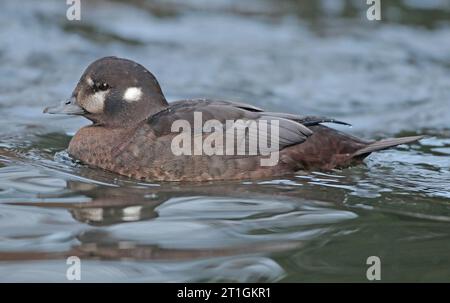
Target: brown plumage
x: 131, y: 133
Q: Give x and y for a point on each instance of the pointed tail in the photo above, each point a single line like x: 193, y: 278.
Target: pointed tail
x: 386, y: 143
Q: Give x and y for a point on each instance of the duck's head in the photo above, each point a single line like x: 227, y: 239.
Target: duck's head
x: 114, y: 92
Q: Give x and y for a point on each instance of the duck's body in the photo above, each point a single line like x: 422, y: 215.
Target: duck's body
x: 132, y: 132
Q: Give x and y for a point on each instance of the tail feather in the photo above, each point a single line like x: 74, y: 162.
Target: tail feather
x: 386, y: 143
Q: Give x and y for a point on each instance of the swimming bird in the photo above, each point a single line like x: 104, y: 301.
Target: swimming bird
x: 132, y: 132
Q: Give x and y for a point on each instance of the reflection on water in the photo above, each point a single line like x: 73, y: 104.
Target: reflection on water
x: 316, y: 226
x: 388, y: 79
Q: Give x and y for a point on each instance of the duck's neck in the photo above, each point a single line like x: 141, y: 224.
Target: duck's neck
x: 134, y: 114
x: 148, y: 108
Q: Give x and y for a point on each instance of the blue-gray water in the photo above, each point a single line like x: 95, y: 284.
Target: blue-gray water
x: 387, y: 78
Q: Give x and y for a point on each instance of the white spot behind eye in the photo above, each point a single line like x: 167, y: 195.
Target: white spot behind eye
x: 132, y: 94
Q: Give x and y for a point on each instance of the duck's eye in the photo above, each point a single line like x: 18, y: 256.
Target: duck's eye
x: 102, y: 86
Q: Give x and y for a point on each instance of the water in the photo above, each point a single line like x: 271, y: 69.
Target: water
x: 387, y: 78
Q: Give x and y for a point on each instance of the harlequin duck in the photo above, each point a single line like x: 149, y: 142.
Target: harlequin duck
x: 132, y: 131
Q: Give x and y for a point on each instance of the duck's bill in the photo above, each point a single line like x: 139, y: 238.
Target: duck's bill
x: 68, y: 107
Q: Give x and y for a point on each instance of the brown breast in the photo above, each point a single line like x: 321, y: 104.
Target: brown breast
x: 139, y: 154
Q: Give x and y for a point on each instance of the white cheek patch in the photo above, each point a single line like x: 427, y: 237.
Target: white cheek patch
x: 96, y: 103
x: 132, y: 94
